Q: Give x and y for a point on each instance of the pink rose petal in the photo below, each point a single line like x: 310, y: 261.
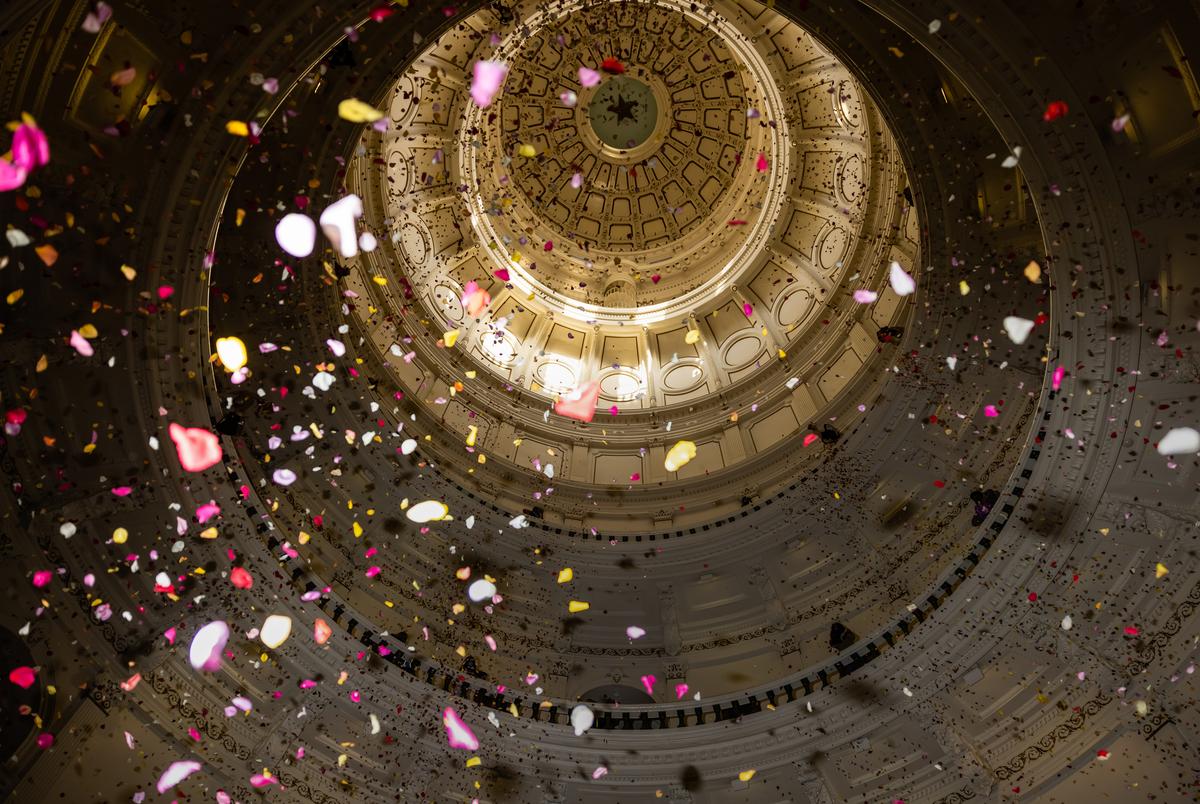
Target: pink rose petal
x: 458, y: 733
x: 580, y: 404
x: 197, y: 448
x: 175, y: 773
x: 488, y: 77
x: 23, y: 677
x: 475, y: 299
x: 81, y: 344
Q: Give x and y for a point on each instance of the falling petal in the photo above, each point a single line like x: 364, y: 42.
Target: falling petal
x: 1056, y: 380
x: 296, y: 234
x: 206, y: 647
x: 275, y: 630
x: 580, y: 404
x: 902, y: 283
x: 1180, y: 441
x: 338, y: 224
x: 428, y: 511
x: 582, y: 719
x: 475, y: 300
x: 481, y: 590
x: 1018, y: 329
x: 241, y: 578
x: 175, y: 773
x: 488, y: 76
x: 458, y: 733
x: 356, y: 111
x: 81, y: 344
x: 23, y: 677
x: 197, y: 448
x: 321, y: 631
x: 679, y: 455
x: 232, y: 352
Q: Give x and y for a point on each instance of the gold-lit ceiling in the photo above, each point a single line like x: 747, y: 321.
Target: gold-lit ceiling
x: 703, y: 276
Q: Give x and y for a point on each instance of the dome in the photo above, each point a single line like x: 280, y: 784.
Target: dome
x: 604, y: 401
x: 734, y: 329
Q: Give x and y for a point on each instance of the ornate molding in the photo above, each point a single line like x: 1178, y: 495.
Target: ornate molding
x: 211, y: 728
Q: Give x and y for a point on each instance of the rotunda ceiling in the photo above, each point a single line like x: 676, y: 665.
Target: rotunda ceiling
x: 415, y: 402
x: 766, y: 193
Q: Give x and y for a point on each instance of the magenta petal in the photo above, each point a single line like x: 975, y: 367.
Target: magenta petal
x: 30, y: 147
x: 23, y: 677
x: 11, y: 176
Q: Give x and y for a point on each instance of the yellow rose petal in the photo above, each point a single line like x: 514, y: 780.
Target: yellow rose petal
x: 232, y: 352
x: 566, y: 575
x: 356, y: 111
x: 237, y: 128
x: 679, y: 455
x: 576, y: 606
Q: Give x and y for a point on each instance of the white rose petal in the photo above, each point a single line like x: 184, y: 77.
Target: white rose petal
x: 902, y: 283
x: 1018, y: 329
x: 582, y: 719
x: 296, y: 234
x: 1180, y: 441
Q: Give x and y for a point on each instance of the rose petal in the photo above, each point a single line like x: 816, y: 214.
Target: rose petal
x: 487, y: 78
x: 902, y: 283
x: 1179, y: 441
x: 458, y: 733
x: 205, y: 650
x: 198, y: 449
x: 175, y: 773
x: 582, y: 719
x: 296, y: 234
x: 23, y: 677
x: 1018, y: 329
x: 579, y: 404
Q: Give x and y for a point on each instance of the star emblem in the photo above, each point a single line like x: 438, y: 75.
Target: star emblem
x: 623, y: 109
